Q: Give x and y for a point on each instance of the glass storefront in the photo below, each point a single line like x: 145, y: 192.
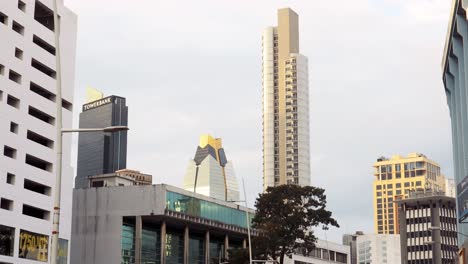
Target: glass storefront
x: 150, y: 246
x: 192, y: 206
x: 196, y: 250
x: 7, y: 239
x: 174, y: 248
x: 216, y: 251
x: 128, y: 242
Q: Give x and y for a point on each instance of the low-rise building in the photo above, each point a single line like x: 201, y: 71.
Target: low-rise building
x: 120, y: 178
x: 351, y: 241
x: 325, y: 252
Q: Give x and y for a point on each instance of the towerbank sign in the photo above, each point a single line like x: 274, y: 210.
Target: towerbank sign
x: 98, y: 103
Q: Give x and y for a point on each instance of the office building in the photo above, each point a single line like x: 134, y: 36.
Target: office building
x: 98, y: 152
x: 154, y: 224
x: 396, y: 177
x: 325, y: 252
x: 450, y: 188
x: 455, y: 82
x: 428, y: 228
x: 351, y: 241
x: 378, y: 248
x: 210, y: 173
x: 286, y: 158
x: 120, y: 178
x: 28, y: 129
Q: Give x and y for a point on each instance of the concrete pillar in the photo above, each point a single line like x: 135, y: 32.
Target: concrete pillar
x: 207, y: 247
x: 226, y: 246
x: 186, y: 245
x: 138, y: 227
x: 163, y: 243
x: 244, y: 243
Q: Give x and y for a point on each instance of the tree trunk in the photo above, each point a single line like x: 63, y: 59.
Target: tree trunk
x: 282, y: 258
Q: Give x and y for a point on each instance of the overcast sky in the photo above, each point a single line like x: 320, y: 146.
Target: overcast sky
x: 194, y: 67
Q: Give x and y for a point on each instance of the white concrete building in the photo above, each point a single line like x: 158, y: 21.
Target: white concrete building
x: 378, y: 248
x: 326, y: 252
x: 28, y: 128
x: 286, y: 154
x: 450, y: 188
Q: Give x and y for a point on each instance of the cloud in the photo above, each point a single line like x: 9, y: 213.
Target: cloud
x: 192, y: 67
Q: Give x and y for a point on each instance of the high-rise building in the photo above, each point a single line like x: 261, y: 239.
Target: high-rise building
x: 285, y: 104
x: 378, y: 248
x: 455, y: 81
x: 28, y: 132
x: 210, y: 173
x: 351, y: 241
x: 428, y: 228
x: 98, y: 152
x: 395, y: 178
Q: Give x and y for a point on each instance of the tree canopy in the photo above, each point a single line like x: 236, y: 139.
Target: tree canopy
x: 285, y: 217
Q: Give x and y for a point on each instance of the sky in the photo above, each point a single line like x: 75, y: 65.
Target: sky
x: 194, y: 67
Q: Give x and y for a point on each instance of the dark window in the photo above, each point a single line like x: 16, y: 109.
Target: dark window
x: 14, y: 76
x: 379, y: 187
x: 97, y: 184
x: 2, y: 69
x: 44, y: 15
x: 41, y: 91
x: 3, y: 18
x: 41, y: 115
x: 35, y: 212
x: 38, y: 163
x: 43, y: 44
x: 9, y: 152
x: 40, y: 139
x: 398, y: 185
x: 18, y: 28
x: 13, y: 127
x: 36, y: 187
x: 43, y: 68
x: 18, y: 53
x: 10, y: 178
x: 418, y: 183
x: 407, y: 184
x: 13, y: 101
x: 21, y: 6
x: 6, y: 204
x: 7, y: 240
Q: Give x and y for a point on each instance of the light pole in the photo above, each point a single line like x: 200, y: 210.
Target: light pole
x: 58, y: 181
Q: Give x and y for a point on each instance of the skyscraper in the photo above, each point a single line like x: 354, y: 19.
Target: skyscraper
x: 455, y: 81
x: 101, y: 153
x: 285, y: 104
x: 396, y: 178
x: 210, y: 173
x: 28, y: 132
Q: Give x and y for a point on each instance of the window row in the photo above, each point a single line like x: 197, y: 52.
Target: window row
x: 36, y: 162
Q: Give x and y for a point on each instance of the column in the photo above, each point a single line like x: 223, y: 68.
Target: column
x: 163, y: 243
x: 244, y: 243
x: 186, y: 245
x: 207, y: 247
x: 226, y: 246
x: 138, y: 227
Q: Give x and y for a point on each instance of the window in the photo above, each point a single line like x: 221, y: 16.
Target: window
x: 38, y: 163
x: 7, y: 240
x: 18, y: 28
x: 13, y: 101
x: 13, y: 127
x: 3, y: 19
x: 42, y: 68
x: 40, y: 139
x: 398, y: 185
x: 35, y: 212
x: 418, y: 183
x: 14, y: 76
x: 44, y: 15
x: 9, y: 152
x: 21, y: 6
x: 2, y: 69
x: 10, y: 178
x: 43, y: 44
x: 41, y: 115
x: 36, y: 187
x: 407, y: 184
x: 19, y: 53
x: 35, y: 88
x: 6, y: 204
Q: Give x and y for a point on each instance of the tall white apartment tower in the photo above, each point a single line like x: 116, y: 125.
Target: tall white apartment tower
x: 285, y: 104
x: 28, y: 128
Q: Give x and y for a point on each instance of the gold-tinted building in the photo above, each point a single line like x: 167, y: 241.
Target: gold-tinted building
x: 394, y: 179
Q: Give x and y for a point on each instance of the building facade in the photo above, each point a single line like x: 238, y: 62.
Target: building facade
x: 351, y: 241
x: 450, y: 188
x: 428, y: 228
x: 325, y: 252
x: 455, y: 82
x: 98, y: 152
x: 28, y: 129
x: 210, y: 173
x: 286, y: 157
x: 154, y: 224
x: 120, y: 178
x: 396, y: 178
x: 378, y: 248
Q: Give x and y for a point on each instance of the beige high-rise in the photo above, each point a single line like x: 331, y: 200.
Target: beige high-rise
x: 286, y: 158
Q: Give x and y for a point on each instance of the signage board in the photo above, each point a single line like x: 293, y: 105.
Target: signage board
x: 101, y: 102
x: 33, y: 246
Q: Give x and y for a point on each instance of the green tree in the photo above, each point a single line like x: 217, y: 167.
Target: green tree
x: 285, y: 217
